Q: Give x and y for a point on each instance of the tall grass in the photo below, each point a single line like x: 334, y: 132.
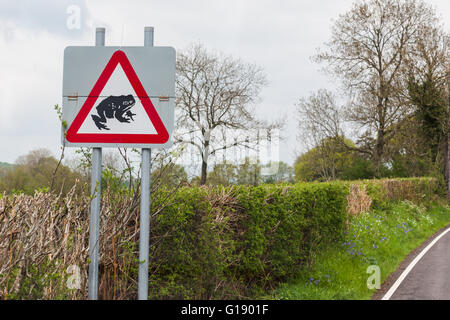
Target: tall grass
x: 382, y: 237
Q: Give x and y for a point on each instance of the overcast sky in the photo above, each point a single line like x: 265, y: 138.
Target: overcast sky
x: 278, y: 35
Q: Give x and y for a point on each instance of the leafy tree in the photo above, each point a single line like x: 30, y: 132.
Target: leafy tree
x: 306, y: 166
x: 36, y: 170
x: 227, y: 173
x: 431, y: 113
x: 223, y: 174
x: 420, y: 146
x: 428, y: 86
x: 341, y: 163
x: 249, y: 172
x: 5, y: 165
x: 282, y: 173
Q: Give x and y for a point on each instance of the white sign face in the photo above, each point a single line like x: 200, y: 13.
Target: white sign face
x: 118, y: 97
x: 118, y: 85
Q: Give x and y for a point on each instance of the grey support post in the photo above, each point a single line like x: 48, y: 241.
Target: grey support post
x: 96, y: 175
x: 144, y: 238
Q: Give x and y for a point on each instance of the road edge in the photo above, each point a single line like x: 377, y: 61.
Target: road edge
x: 393, y: 277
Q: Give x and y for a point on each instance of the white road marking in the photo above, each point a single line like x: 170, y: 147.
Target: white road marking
x: 397, y: 283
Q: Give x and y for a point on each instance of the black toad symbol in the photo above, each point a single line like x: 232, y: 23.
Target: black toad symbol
x: 114, y: 107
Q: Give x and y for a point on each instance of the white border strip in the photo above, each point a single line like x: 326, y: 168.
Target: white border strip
x: 402, y: 277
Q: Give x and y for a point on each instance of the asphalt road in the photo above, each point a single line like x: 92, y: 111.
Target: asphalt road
x: 430, y: 277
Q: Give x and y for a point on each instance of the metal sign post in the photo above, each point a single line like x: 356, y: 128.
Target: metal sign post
x: 144, y: 237
x: 96, y: 178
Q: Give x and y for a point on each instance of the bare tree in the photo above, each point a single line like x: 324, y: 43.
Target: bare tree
x: 368, y: 49
x: 319, y: 117
x: 215, y: 93
x: 430, y: 56
x: 320, y: 123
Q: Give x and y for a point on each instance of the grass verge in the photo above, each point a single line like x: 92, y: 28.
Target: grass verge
x: 382, y: 237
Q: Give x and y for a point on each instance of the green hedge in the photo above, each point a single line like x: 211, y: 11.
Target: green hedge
x: 227, y: 242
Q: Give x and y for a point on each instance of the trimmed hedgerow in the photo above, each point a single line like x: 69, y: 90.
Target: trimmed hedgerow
x: 284, y: 224
x: 227, y: 242
x: 206, y: 242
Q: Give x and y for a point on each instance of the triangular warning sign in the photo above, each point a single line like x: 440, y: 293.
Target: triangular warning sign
x: 117, y: 110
